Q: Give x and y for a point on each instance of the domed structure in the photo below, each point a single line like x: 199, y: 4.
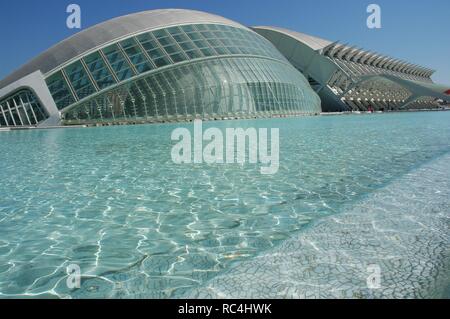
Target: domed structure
x: 153, y: 66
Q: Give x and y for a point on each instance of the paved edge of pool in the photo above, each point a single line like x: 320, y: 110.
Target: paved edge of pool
x: 393, y: 244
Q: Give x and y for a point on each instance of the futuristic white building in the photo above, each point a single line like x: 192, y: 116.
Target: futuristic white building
x: 179, y: 65
x: 351, y: 79
x: 156, y: 66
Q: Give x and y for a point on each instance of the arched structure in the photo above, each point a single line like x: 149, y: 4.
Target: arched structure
x: 161, y: 65
x: 351, y: 79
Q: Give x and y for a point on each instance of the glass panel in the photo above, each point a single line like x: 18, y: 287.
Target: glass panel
x: 200, y: 27
x: 194, y: 54
x: 79, y: 80
x: 3, y: 118
x: 234, y: 50
x: 156, y: 53
x: 165, y: 41
x: 201, y: 44
x: 149, y: 45
x: 174, y: 31
x: 171, y: 49
x: 6, y: 114
x: 188, y: 46
x: 41, y: 114
x: 207, y: 35
x: 99, y: 70
x: 181, y: 38
x: 187, y: 28
x: 194, y: 36
x: 178, y: 57
x: 136, y: 56
x: 60, y: 91
x: 27, y: 108
x: 160, y: 34
x: 222, y: 50
x: 208, y: 52
x: 159, y: 57
x: 118, y: 62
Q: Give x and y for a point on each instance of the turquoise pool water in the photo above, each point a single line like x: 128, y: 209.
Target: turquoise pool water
x: 111, y: 201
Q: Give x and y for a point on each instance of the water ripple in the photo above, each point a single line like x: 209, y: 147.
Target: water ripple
x: 111, y: 201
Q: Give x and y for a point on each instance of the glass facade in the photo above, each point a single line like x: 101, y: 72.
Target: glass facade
x: 182, y: 71
x: 99, y: 70
x: 117, y: 61
x: 21, y: 109
x: 79, y: 80
x: 60, y: 91
x: 230, y: 87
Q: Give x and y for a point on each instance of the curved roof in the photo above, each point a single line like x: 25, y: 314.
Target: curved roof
x: 313, y: 42
x: 109, y: 31
x: 317, y: 44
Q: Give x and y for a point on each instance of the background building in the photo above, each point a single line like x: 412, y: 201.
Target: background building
x: 178, y: 65
x: 162, y: 65
x: 351, y: 79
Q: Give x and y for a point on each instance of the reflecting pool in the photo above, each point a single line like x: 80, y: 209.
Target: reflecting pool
x: 111, y: 201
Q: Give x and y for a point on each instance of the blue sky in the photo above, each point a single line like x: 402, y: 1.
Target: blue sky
x: 417, y: 31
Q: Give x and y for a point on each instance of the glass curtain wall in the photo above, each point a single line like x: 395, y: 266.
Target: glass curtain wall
x: 229, y: 87
x: 21, y: 109
x: 206, y: 70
